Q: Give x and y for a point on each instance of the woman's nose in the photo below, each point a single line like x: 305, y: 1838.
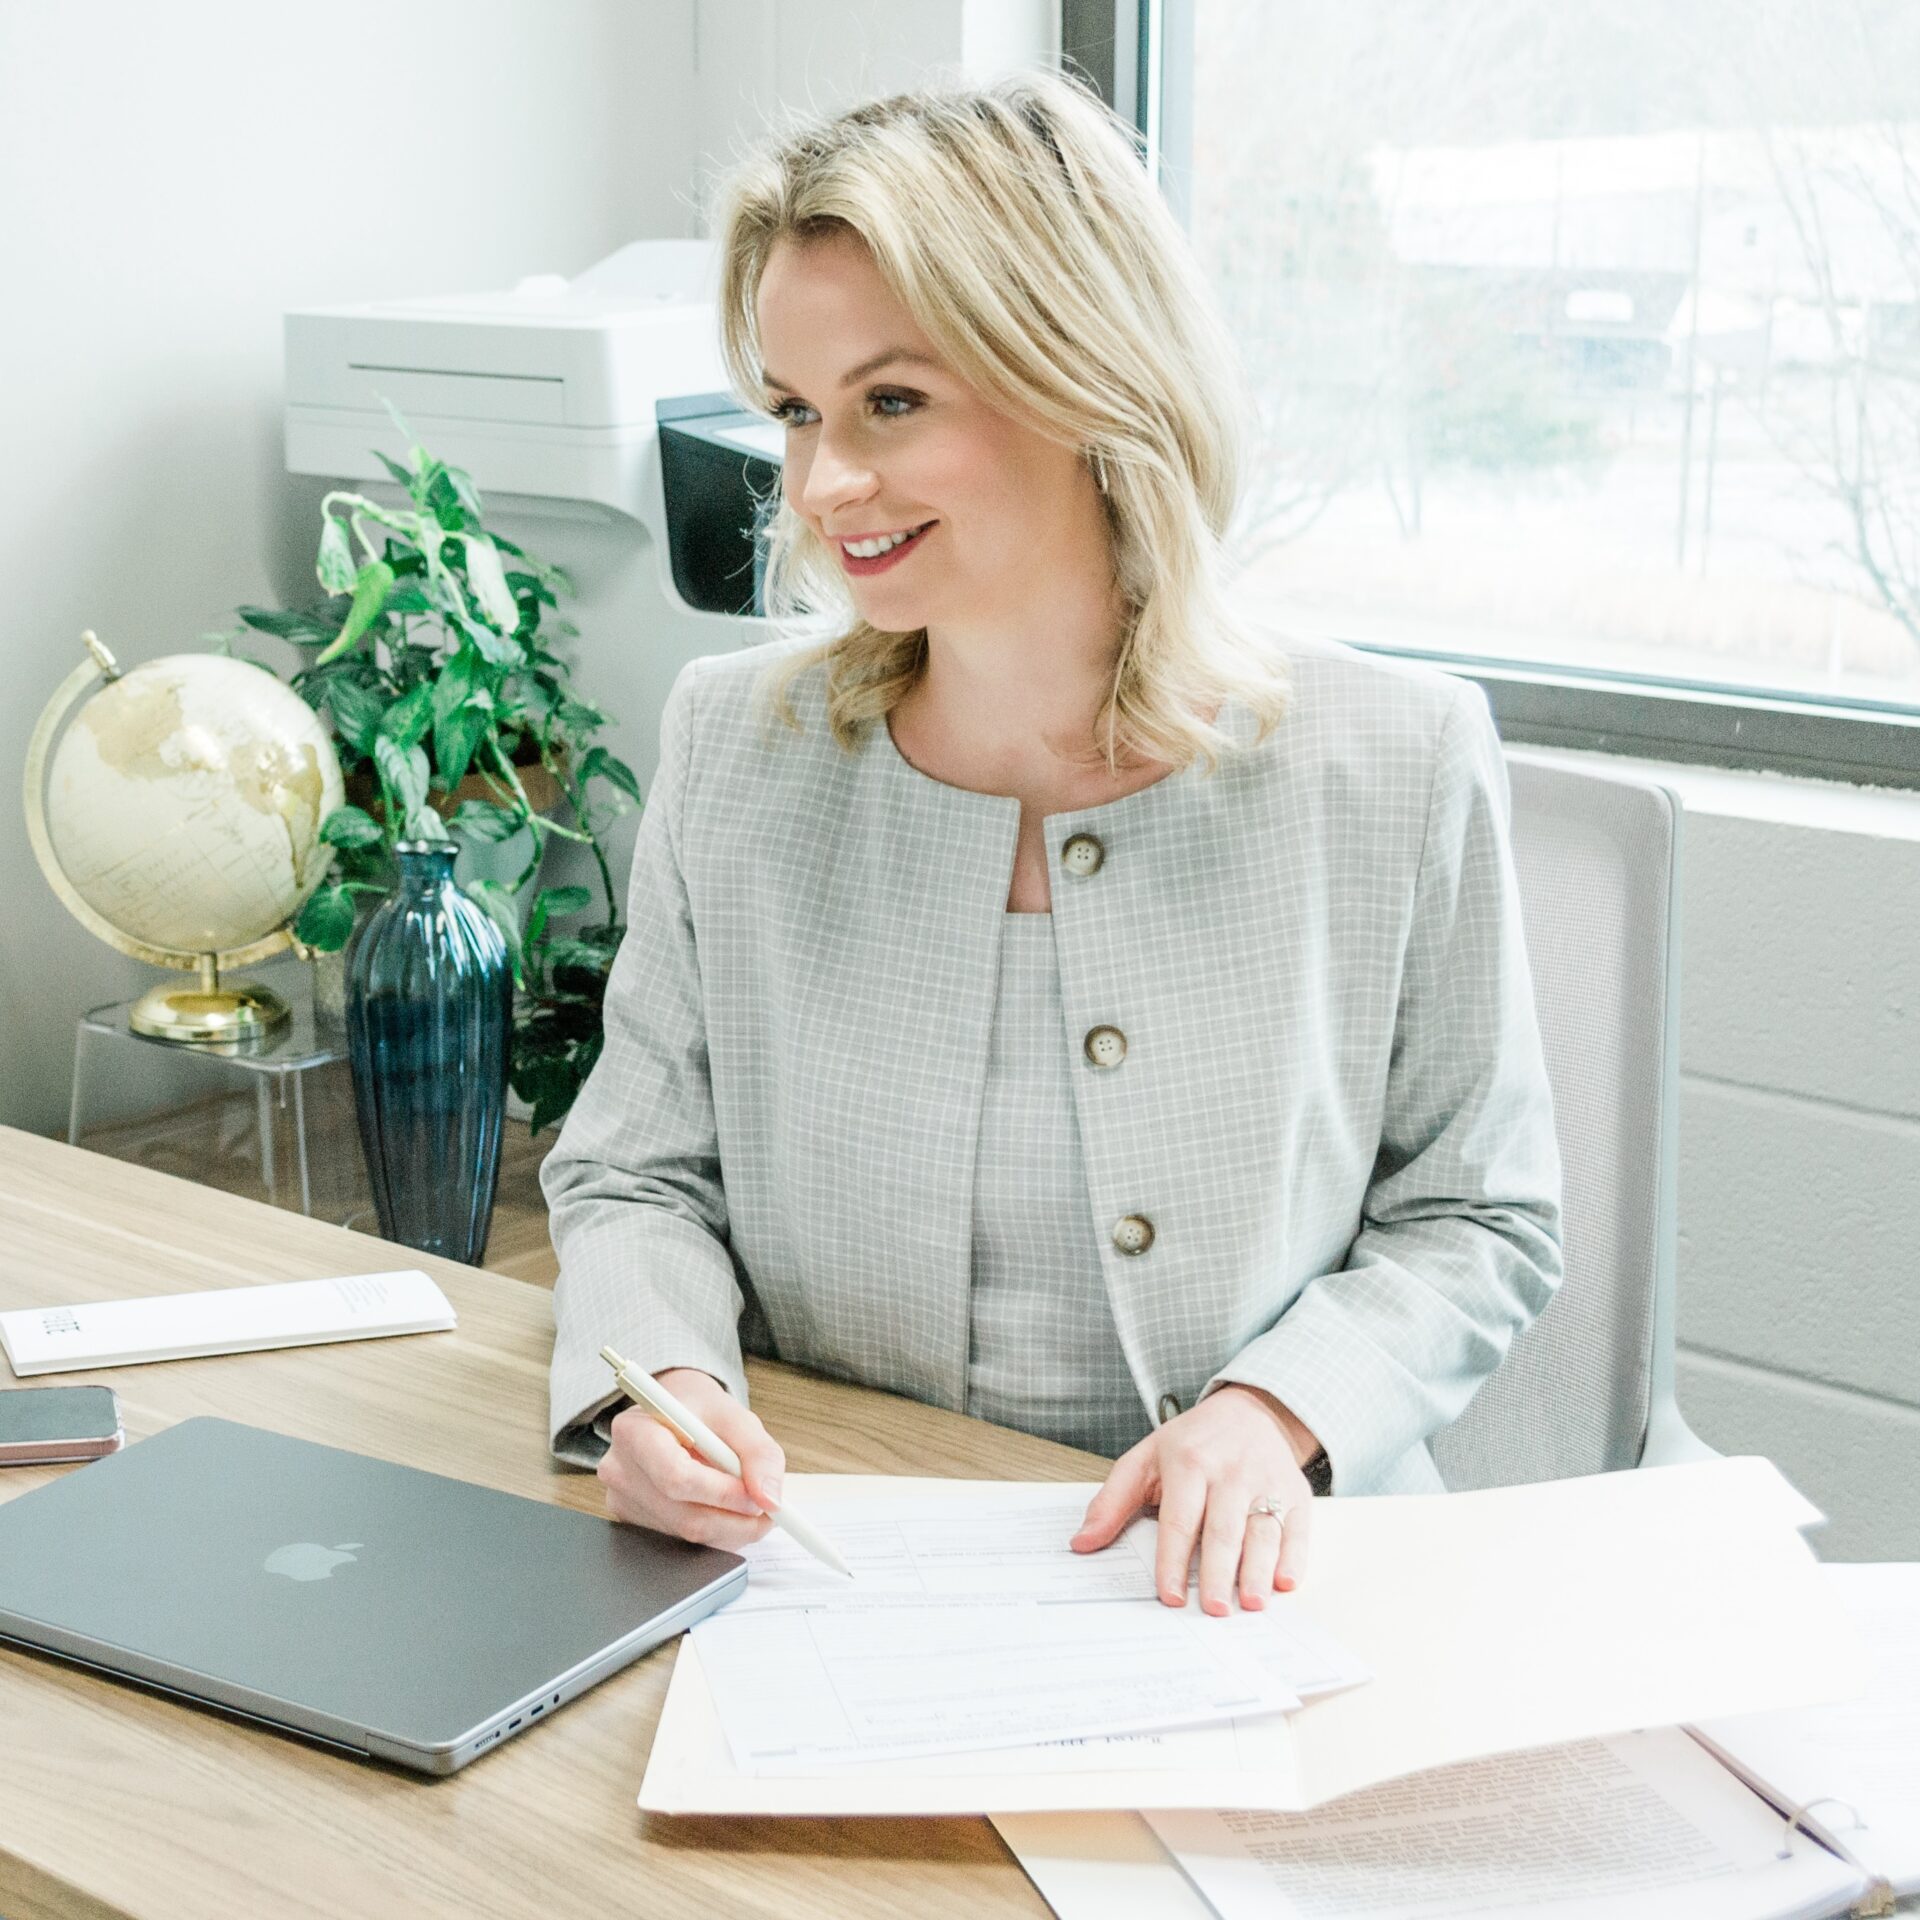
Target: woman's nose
x: 835, y: 480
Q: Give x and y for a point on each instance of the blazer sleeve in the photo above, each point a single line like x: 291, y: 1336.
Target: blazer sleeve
x: 636, y: 1204
x: 1459, y: 1245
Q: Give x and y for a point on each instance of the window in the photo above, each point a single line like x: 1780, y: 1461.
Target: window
x: 1585, y: 344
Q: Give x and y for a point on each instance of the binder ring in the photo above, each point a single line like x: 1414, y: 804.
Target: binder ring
x: 1794, y: 1816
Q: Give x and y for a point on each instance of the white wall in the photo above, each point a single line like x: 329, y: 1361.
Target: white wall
x: 759, y: 58
x: 171, y: 180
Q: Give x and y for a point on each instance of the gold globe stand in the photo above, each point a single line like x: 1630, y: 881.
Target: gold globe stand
x: 222, y: 1018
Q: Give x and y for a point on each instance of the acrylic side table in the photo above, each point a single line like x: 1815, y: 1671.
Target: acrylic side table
x: 279, y: 1074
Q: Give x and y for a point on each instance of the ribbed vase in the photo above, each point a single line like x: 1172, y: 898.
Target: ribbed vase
x: 429, y: 1021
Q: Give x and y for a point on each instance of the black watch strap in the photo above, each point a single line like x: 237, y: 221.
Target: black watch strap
x: 1319, y: 1472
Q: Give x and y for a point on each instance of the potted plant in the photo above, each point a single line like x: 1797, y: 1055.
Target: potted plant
x: 455, y: 718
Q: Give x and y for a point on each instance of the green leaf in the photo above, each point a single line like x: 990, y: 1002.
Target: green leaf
x: 455, y: 682
x: 393, y: 466
x: 551, y: 900
x: 326, y: 921
x: 407, y: 720
x: 499, y: 649
x: 416, y: 452
x: 404, y: 772
x: 369, y: 597
x: 589, y: 955
x: 335, y: 564
x: 350, y: 827
x: 498, y: 902
x: 407, y: 597
x: 442, y: 498
x: 556, y: 1105
x: 600, y: 764
x: 356, y: 709
x: 304, y: 627
x: 489, y: 583
x: 464, y: 490
x: 527, y: 584
x: 454, y: 741
x: 481, y: 823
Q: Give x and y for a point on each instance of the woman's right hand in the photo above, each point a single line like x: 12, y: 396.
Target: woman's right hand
x: 653, y: 1481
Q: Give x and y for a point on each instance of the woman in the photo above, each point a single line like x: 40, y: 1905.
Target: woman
x: 1074, y: 1011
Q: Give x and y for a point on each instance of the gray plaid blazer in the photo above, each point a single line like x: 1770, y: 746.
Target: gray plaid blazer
x: 1323, y: 1165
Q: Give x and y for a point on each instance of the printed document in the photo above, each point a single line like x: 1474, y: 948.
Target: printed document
x: 1644, y: 1823
x: 816, y: 1685
x: 970, y: 1624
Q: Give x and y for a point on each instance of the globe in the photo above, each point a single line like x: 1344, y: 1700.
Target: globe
x: 180, y: 820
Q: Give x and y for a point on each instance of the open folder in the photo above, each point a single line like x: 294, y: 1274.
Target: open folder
x: 1809, y: 1811
x: 1513, y: 1618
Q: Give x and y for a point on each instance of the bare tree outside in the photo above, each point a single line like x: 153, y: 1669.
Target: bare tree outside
x: 1585, y: 336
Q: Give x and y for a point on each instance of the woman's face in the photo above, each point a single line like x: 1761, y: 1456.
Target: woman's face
x: 877, y: 449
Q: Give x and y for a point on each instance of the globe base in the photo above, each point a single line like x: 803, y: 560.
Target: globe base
x: 225, y: 1019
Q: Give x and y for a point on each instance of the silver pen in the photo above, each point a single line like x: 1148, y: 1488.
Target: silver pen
x: 687, y: 1426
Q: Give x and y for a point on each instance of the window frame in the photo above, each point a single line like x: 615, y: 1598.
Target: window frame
x: 1139, y: 55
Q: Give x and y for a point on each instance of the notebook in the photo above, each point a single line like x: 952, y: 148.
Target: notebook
x: 1808, y: 1811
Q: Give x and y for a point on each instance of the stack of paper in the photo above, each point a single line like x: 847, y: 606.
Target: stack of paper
x: 1490, y: 1622
x: 970, y: 1626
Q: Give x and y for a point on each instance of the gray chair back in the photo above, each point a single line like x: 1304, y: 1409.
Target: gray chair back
x: 1588, y: 1387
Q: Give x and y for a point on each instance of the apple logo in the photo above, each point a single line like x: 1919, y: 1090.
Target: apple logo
x: 307, y: 1560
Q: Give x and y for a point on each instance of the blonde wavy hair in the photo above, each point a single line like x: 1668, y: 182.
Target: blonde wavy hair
x: 1016, y: 224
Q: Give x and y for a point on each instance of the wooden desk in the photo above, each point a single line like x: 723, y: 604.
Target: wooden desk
x: 118, y: 1802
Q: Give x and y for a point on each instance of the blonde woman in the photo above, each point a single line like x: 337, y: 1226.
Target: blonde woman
x: 1045, y: 999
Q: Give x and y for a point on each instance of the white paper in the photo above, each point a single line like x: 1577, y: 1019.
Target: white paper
x: 1100, y: 1866
x: 1864, y: 1752
x: 812, y: 1684
x: 1642, y: 1823
x: 970, y: 1623
x: 1513, y: 1618
x: 183, y: 1326
x: 1008, y: 1546
x: 1001, y: 1543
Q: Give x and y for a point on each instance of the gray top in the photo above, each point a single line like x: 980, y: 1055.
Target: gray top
x: 1320, y: 1159
x: 1043, y: 1353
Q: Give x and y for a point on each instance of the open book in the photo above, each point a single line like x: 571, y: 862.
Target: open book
x: 1804, y: 1812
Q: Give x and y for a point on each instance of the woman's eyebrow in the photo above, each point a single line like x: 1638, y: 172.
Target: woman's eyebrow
x: 884, y: 358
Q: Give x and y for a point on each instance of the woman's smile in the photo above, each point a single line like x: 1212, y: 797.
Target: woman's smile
x: 880, y: 562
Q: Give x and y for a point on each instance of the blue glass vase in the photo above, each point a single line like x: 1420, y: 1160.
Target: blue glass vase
x: 429, y: 1019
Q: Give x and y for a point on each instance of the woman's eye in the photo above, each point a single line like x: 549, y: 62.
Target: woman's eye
x: 784, y: 410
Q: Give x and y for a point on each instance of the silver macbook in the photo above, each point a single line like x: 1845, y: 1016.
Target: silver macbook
x: 377, y: 1608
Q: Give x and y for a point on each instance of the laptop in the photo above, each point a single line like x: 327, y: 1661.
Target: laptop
x: 373, y: 1607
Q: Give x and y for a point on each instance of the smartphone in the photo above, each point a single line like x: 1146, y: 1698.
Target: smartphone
x: 58, y: 1423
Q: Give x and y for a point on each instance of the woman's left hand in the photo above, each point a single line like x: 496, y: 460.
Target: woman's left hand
x: 1205, y: 1470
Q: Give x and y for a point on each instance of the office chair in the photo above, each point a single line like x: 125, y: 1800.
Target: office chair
x: 1589, y: 1386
